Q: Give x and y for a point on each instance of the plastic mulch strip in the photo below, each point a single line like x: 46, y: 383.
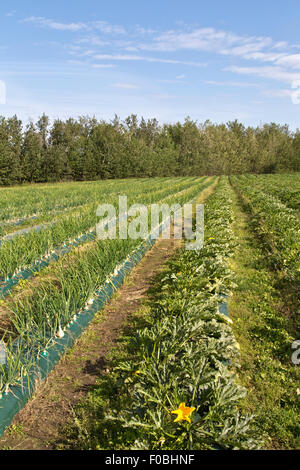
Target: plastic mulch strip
x: 223, y: 307
x: 5, y: 287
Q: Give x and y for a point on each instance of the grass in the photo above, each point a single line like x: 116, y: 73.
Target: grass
x: 16, y: 430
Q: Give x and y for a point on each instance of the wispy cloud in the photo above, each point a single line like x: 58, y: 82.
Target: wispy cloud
x: 226, y: 43
x: 280, y: 45
x: 292, y: 61
x: 269, y: 72
x: 208, y: 39
x: 44, y: 22
x: 132, y: 57
x: 101, y: 26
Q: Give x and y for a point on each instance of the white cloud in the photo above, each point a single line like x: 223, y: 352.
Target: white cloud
x: 269, y: 72
x: 41, y: 21
x: 248, y: 48
x: 292, y: 61
x: 227, y: 43
x: 132, y: 57
x: 102, y: 26
x: 280, y: 45
x: 208, y: 39
x: 263, y: 56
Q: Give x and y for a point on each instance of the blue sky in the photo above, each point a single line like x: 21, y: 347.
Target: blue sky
x: 168, y: 59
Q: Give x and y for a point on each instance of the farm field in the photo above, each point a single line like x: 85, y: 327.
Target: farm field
x: 206, y: 359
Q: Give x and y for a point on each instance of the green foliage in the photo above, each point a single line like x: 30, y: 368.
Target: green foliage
x: 85, y: 149
x: 186, y: 353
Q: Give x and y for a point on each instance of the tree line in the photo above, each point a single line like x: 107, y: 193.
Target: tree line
x: 88, y: 149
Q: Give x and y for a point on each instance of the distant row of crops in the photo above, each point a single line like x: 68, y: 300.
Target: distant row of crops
x: 277, y: 224
x: 284, y: 187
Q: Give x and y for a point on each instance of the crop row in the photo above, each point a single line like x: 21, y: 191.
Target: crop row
x: 176, y: 387
x: 285, y: 187
x: 277, y: 225
x: 36, y: 316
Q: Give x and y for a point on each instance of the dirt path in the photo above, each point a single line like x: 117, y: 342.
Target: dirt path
x: 37, y: 426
